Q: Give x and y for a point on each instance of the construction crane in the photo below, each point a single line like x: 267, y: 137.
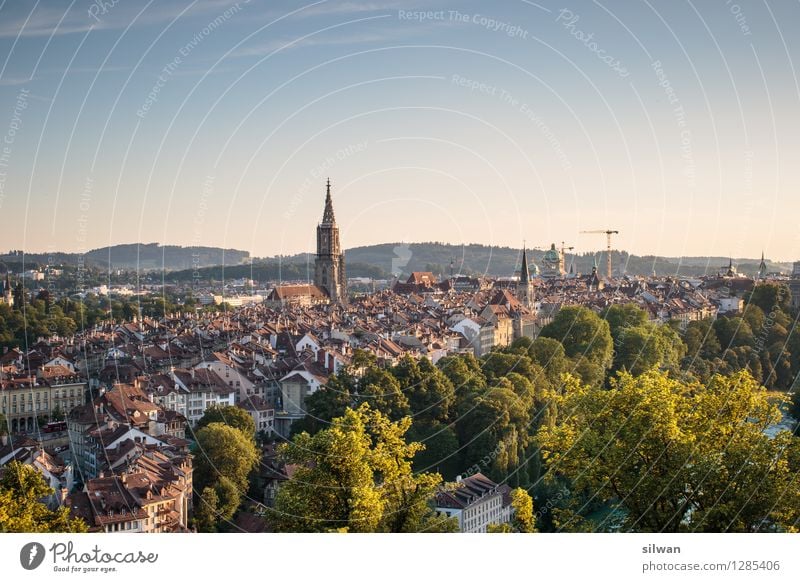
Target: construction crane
x: 608, y: 234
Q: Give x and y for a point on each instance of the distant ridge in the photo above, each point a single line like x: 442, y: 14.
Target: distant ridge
x: 377, y: 261
x: 144, y: 257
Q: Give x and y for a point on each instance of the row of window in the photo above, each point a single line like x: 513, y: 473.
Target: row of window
x: 40, y: 407
x: 128, y: 525
x: 38, y: 396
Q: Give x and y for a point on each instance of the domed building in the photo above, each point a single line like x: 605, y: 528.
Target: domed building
x: 552, y: 264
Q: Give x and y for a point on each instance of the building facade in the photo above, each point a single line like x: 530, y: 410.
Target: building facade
x: 477, y: 502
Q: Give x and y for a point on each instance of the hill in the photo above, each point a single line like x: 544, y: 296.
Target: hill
x: 504, y: 261
x: 141, y: 257
x: 376, y: 261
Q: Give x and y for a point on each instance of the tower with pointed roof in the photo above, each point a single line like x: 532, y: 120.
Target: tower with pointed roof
x: 329, y: 269
x: 762, y: 268
x: 594, y: 282
x: 525, y: 287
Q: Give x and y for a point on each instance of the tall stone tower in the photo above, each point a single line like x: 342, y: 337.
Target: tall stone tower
x: 525, y: 287
x: 329, y: 270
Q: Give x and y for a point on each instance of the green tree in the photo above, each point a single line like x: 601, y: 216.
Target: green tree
x: 216, y: 506
x: 232, y: 416
x: 207, y: 511
x: 550, y: 355
x: 586, y: 339
x: 701, y: 340
x: 524, y: 520
x: 677, y: 456
x: 464, y: 373
x: 623, y: 315
x: 223, y: 452
x: 356, y: 476
x: 499, y: 364
x: 771, y: 297
x: 430, y: 392
x: 733, y: 332
x: 494, y: 434
x: 326, y: 404
x: 441, y: 452
x: 382, y: 391
x: 644, y: 347
x: 21, y: 510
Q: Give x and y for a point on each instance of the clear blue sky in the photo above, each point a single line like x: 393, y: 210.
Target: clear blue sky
x: 216, y: 123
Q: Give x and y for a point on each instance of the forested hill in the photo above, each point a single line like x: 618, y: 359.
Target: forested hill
x: 142, y: 257
x: 378, y: 261
x: 503, y: 261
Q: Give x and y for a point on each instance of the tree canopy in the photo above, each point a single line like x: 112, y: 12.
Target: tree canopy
x: 676, y: 456
x: 21, y: 509
x: 232, y: 416
x: 356, y: 476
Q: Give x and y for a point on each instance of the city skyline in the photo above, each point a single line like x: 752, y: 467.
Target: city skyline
x: 215, y: 123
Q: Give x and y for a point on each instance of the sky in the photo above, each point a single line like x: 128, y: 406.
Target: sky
x: 216, y: 123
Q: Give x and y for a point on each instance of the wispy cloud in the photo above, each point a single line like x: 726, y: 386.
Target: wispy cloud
x: 13, y: 81
x: 335, y: 7
x: 35, y: 20
x: 289, y: 43
x: 329, y: 37
x: 40, y: 20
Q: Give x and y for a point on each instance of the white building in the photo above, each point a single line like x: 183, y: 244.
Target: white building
x: 476, y: 501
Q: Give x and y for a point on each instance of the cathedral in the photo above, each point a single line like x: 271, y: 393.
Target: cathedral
x: 525, y: 286
x: 329, y: 270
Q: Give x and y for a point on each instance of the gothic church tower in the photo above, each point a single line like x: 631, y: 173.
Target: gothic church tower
x: 329, y: 270
x: 525, y: 286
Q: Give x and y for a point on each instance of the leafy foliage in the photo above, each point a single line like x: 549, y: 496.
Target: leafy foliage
x: 223, y: 460
x: 21, y: 510
x: 356, y: 476
x: 678, y: 456
x: 232, y: 416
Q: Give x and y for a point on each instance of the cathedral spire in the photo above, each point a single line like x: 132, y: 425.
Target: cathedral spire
x: 524, y: 273
x: 327, y: 216
x: 525, y: 287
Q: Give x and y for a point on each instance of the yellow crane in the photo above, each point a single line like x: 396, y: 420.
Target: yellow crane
x: 608, y: 234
